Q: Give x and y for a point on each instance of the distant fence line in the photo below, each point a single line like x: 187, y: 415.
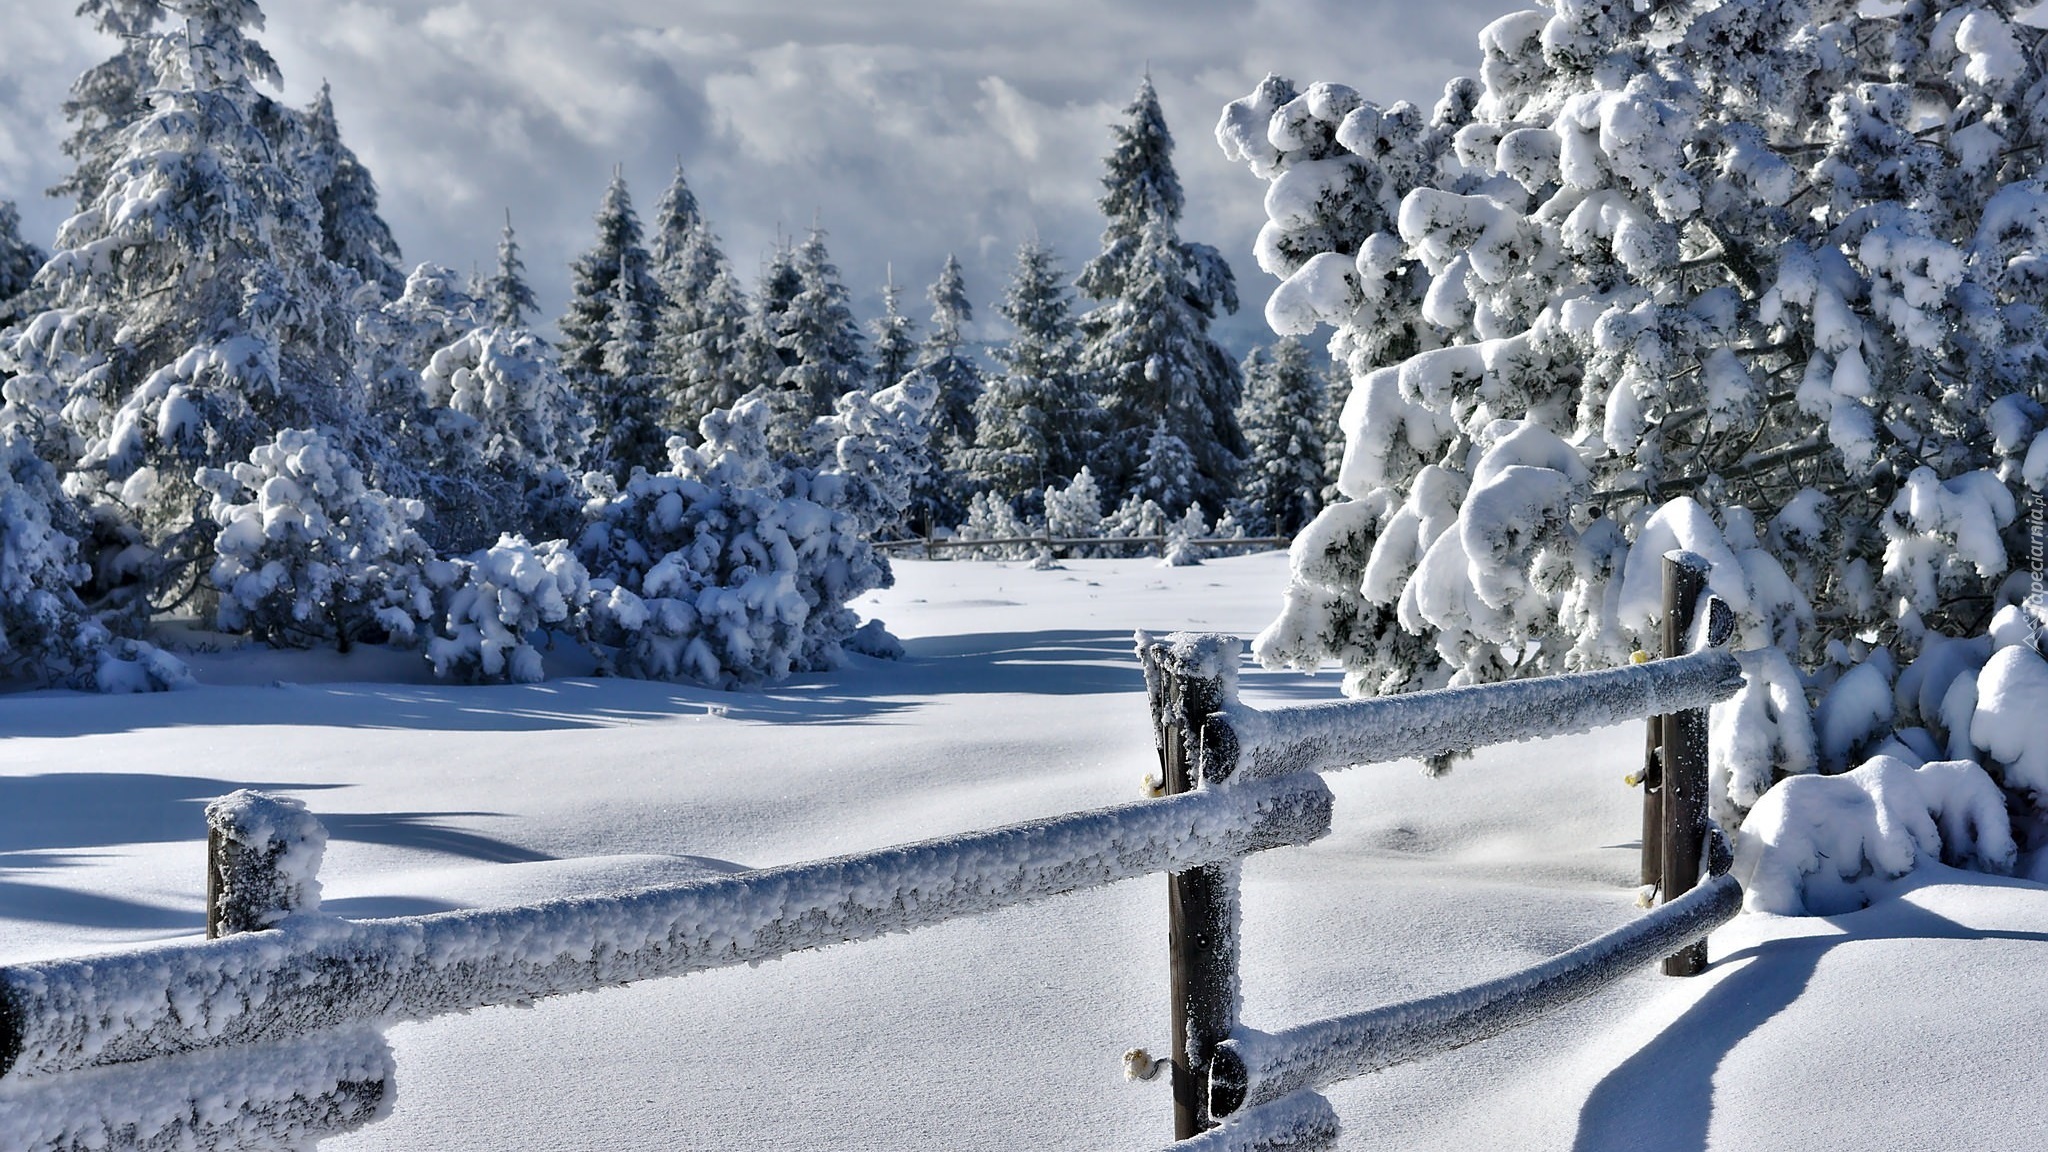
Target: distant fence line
x: 932, y: 546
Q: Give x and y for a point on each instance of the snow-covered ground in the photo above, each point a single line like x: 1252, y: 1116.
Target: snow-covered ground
x: 1909, y: 1025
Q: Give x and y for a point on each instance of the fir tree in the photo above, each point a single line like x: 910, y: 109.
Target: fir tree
x: 507, y: 297
x: 110, y: 96
x: 356, y: 237
x: 821, y: 349
x: 1147, y: 346
x: 707, y: 347
x: 627, y: 421
x: 895, y: 347
x: 1281, y: 487
x: 1033, y: 422
x: 193, y: 313
x: 676, y: 220
x: 612, y: 304
x: 956, y: 376
x: 19, y: 261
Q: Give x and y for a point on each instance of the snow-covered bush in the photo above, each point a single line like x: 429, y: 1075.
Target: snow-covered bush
x: 524, y: 427
x: 990, y: 517
x: 1753, y: 280
x: 306, y: 551
x: 1823, y: 845
x: 490, y: 606
x: 1075, y: 511
x: 729, y: 569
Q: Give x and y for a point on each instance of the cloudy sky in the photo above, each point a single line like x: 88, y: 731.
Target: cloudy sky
x: 906, y: 129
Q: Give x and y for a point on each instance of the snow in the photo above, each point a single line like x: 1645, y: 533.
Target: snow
x: 1018, y: 699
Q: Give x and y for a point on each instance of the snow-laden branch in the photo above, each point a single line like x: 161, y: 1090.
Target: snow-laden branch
x: 1320, y: 737
x: 314, y: 972
x: 1255, y: 1067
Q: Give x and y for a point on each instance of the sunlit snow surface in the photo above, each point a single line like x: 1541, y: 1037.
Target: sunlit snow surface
x: 1910, y: 1024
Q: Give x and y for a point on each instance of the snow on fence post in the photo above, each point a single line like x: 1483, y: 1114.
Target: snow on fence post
x: 1683, y: 759
x: 1188, y: 678
x: 262, y: 861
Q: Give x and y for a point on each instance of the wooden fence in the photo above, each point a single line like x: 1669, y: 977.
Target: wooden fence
x: 1235, y: 781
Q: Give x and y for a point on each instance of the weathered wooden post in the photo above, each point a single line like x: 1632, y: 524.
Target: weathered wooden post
x: 1683, y: 758
x: 1652, y: 870
x: 1188, y: 677
x: 262, y: 861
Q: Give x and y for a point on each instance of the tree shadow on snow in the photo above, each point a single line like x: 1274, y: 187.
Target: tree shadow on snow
x: 1662, y: 1096
x: 53, y: 821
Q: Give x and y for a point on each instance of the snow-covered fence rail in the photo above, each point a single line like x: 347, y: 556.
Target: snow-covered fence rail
x: 317, y: 972
x: 1253, y: 1068
x: 1230, y: 1081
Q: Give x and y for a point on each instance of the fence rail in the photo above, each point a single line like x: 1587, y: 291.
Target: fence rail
x: 934, y: 545
x: 1235, y: 781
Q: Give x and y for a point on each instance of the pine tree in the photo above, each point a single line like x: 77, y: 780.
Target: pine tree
x: 507, y: 297
x: 1281, y: 487
x: 604, y: 319
x: 1147, y: 345
x: 192, y: 311
x: 701, y: 329
x: 628, y: 421
x: 110, y: 96
x: 895, y: 345
x: 1034, y: 422
x: 956, y: 376
x: 19, y: 261
x: 821, y: 348
x: 676, y: 221
x: 356, y: 236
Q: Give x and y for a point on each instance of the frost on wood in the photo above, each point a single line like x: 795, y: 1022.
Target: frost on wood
x: 1426, y: 724
x: 314, y: 972
x: 1823, y: 845
x: 286, y: 1096
x: 1303, y: 1122
x: 1255, y: 1067
x: 265, y: 861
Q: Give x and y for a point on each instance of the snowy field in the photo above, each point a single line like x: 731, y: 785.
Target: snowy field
x: 1912, y: 1024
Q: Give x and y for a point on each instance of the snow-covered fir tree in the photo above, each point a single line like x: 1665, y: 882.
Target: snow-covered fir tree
x: 819, y: 343
x: 356, y: 237
x: 895, y: 337
x: 955, y: 379
x: 701, y: 335
x: 109, y: 96
x: 1280, y: 489
x: 1752, y: 279
x: 508, y: 298
x: 613, y: 300
x: 627, y: 431
x: 1035, y: 421
x: 676, y: 220
x: 192, y: 311
x: 19, y: 261
x: 1147, y: 345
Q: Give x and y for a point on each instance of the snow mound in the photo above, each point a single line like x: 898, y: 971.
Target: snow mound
x: 1824, y: 845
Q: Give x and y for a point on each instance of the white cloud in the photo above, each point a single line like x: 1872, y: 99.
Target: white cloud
x: 908, y: 130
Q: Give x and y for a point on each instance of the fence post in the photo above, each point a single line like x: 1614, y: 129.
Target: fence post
x: 262, y: 861
x: 1190, y: 677
x: 1683, y: 758
x: 1653, y: 805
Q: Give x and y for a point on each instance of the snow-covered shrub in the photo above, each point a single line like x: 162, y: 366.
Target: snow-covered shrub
x: 1075, y: 511
x: 524, y: 427
x: 990, y: 517
x: 48, y: 634
x: 306, y: 551
x: 1180, y: 550
x: 1823, y: 845
x: 489, y: 606
x: 729, y: 569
